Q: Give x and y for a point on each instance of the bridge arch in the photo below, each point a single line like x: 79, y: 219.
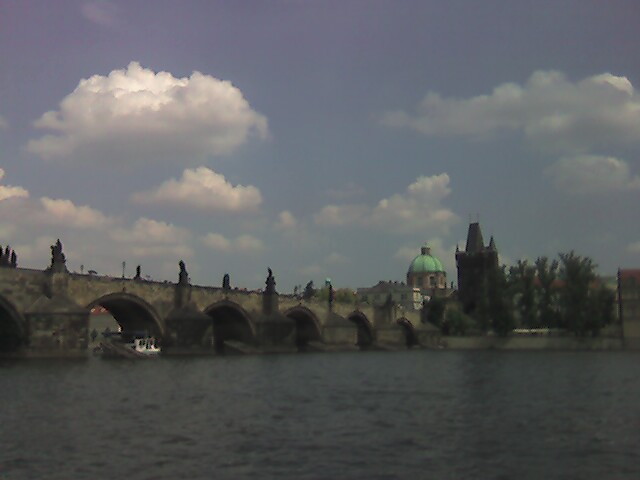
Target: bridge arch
x: 230, y: 323
x: 307, y: 326
x: 411, y: 338
x: 365, y: 329
x: 13, y: 331
x: 131, y: 312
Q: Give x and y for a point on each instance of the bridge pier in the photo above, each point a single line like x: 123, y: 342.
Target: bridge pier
x: 57, y: 326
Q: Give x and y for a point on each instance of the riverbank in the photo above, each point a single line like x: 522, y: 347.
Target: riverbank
x: 533, y: 343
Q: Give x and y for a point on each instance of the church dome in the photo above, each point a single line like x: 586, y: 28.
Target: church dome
x: 425, y: 263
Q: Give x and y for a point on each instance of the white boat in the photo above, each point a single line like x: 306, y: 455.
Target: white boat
x: 145, y: 346
x: 135, y: 346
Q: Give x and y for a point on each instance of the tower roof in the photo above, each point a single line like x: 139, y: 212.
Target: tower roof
x: 475, y: 243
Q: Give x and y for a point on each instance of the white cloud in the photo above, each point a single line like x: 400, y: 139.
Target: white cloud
x: 592, y: 174
x: 548, y: 109
x: 406, y: 253
x: 102, y: 12
x: 248, y: 243
x: 216, y: 241
x: 286, y: 220
x: 417, y: 209
x: 240, y: 244
x: 8, y: 191
x: 204, y: 189
x: 65, y: 212
x: 146, y: 230
x: 89, y: 236
x: 335, y: 258
x: 341, y: 215
x: 633, y: 247
x: 137, y: 115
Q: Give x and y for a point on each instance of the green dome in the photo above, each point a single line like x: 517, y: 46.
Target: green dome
x: 425, y: 263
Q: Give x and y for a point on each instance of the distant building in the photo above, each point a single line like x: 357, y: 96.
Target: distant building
x: 474, y: 265
x: 426, y: 273
x: 425, y: 278
x: 629, y: 305
x: 399, y: 293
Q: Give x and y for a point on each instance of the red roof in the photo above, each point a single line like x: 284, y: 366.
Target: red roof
x: 628, y: 273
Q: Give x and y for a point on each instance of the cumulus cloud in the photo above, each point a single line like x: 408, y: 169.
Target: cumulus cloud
x: 335, y: 258
x: 100, y: 12
x: 592, y: 174
x: 417, y: 209
x: 89, y: 236
x: 8, y: 191
x: 550, y: 110
x: 240, y: 244
x: 286, y: 220
x: 204, y: 189
x: 633, y: 247
x: 137, y: 115
x: 341, y: 215
x: 146, y: 230
x: 65, y: 212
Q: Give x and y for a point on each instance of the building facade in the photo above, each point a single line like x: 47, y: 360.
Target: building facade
x: 399, y: 293
x: 629, y: 305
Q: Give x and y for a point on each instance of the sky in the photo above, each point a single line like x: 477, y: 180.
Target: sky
x: 322, y: 139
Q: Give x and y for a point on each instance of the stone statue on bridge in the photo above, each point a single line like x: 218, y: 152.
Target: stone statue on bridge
x: 183, y: 277
x: 8, y: 257
x: 58, y: 259
x: 270, y: 283
x: 138, y: 274
x: 226, y: 284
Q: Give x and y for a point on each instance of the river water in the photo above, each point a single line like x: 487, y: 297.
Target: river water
x: 359, y: 415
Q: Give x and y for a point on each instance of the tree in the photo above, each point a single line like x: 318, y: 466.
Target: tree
x: 340, y: 295
x: 547, y: 273
x: 434, y: 311
x: 602, y: 302
x: 522, y: 285
x: 455, y: 322
x: 500, y: 309
x: 577, y: 274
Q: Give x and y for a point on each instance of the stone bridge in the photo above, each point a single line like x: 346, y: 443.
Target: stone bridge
x: 45, y: 313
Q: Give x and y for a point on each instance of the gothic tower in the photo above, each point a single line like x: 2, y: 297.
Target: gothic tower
x: 474, y: 264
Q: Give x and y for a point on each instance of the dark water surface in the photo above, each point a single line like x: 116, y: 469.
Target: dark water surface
x: 360, y: 415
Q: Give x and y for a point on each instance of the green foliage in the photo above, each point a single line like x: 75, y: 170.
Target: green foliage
x: 523, y: 290
x: 576, y: 307
x: 434, y: 311
x: 482, y: 314
x: 556, y: 294
x: 340, y: 295
x: 455, y: 322
x: 499, y: 302
x: 602, y: 309
x: 547, y: 312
